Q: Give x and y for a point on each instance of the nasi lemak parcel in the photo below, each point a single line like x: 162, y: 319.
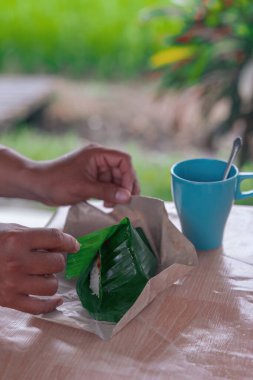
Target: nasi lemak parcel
x: 112, y: 268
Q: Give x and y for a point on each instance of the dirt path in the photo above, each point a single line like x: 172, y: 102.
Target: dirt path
x: 114, y: 112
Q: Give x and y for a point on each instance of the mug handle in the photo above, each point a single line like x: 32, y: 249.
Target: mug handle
x: 245, y: 194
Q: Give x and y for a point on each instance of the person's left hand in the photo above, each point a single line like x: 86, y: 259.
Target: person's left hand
x: 91, y: 172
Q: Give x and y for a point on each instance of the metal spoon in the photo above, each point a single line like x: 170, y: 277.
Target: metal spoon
x: 235, y: 149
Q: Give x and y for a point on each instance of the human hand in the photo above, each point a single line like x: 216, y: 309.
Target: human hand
x: 29, y: 259
x: 91, y: 172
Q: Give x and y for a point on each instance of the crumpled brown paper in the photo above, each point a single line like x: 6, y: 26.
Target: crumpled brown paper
x: 176, y: 257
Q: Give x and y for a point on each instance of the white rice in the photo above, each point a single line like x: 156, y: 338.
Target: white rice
x: 95, y: 277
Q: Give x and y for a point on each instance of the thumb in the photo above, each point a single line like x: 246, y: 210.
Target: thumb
x: 111, y: 193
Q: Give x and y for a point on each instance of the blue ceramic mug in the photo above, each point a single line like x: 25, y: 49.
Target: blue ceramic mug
x: 203, y: 199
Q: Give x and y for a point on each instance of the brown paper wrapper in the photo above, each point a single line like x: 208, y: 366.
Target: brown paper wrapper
x: 176, y: 254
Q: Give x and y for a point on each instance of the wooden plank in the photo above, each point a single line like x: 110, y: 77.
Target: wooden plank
x: 21, y: 96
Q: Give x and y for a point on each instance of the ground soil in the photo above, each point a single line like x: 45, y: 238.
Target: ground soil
x: 112, y: 113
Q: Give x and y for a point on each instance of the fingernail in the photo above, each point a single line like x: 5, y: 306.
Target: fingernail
x: 122, y: 195
x: 77, y: 245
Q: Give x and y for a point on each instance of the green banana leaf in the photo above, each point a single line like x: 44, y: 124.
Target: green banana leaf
x: 127, y: 263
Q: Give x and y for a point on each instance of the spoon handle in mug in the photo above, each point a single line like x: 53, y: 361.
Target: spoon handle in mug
x: 235, y: 149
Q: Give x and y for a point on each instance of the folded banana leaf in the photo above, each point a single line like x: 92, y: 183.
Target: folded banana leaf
x: 126, y: 264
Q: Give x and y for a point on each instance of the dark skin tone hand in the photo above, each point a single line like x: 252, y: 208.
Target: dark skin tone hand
x: 93, y: 172
x: 31, y: 257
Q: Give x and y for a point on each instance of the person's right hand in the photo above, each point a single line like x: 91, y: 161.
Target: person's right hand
x: 29, y: 259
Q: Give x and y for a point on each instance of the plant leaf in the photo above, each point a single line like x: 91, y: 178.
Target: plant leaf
x: 172, y: 55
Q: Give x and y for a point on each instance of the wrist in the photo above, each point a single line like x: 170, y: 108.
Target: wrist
x: 32, y: 179
x: 16, y: 175
x: 27, y: 180
x: 23, y: 178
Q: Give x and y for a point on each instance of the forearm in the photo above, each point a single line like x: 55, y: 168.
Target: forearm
x: 44, y: 181
x: 90, y: 172
x: 17, y: 175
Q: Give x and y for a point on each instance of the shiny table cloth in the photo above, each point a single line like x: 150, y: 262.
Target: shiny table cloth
x: 200, y: 328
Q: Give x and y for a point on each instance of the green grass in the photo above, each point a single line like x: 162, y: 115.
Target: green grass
x: 247, y: 185
x: 37, y: 145
x: 153, y: 171
x: 77, y: 37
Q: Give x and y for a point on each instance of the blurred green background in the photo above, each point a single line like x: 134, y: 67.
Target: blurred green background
x: 78, y: 37
x: 109, y: 40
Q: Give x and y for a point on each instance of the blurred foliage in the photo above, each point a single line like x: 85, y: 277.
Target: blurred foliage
x: 153, y: 170
x: 214, y: 48
x: 78, y: 37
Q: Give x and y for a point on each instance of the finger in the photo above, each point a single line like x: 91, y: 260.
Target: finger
x: 110, y: 193
x: 116, y: 174
x: 39, y: 263
x: 38, y: 285
x: 122, y: 163
x: 116, y: 178
x: 105, y: 176
x: 136, y: 188
x: 111, y: 177
x: 33, y: 305
x: 127, y: 174
x: 50, y: 239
